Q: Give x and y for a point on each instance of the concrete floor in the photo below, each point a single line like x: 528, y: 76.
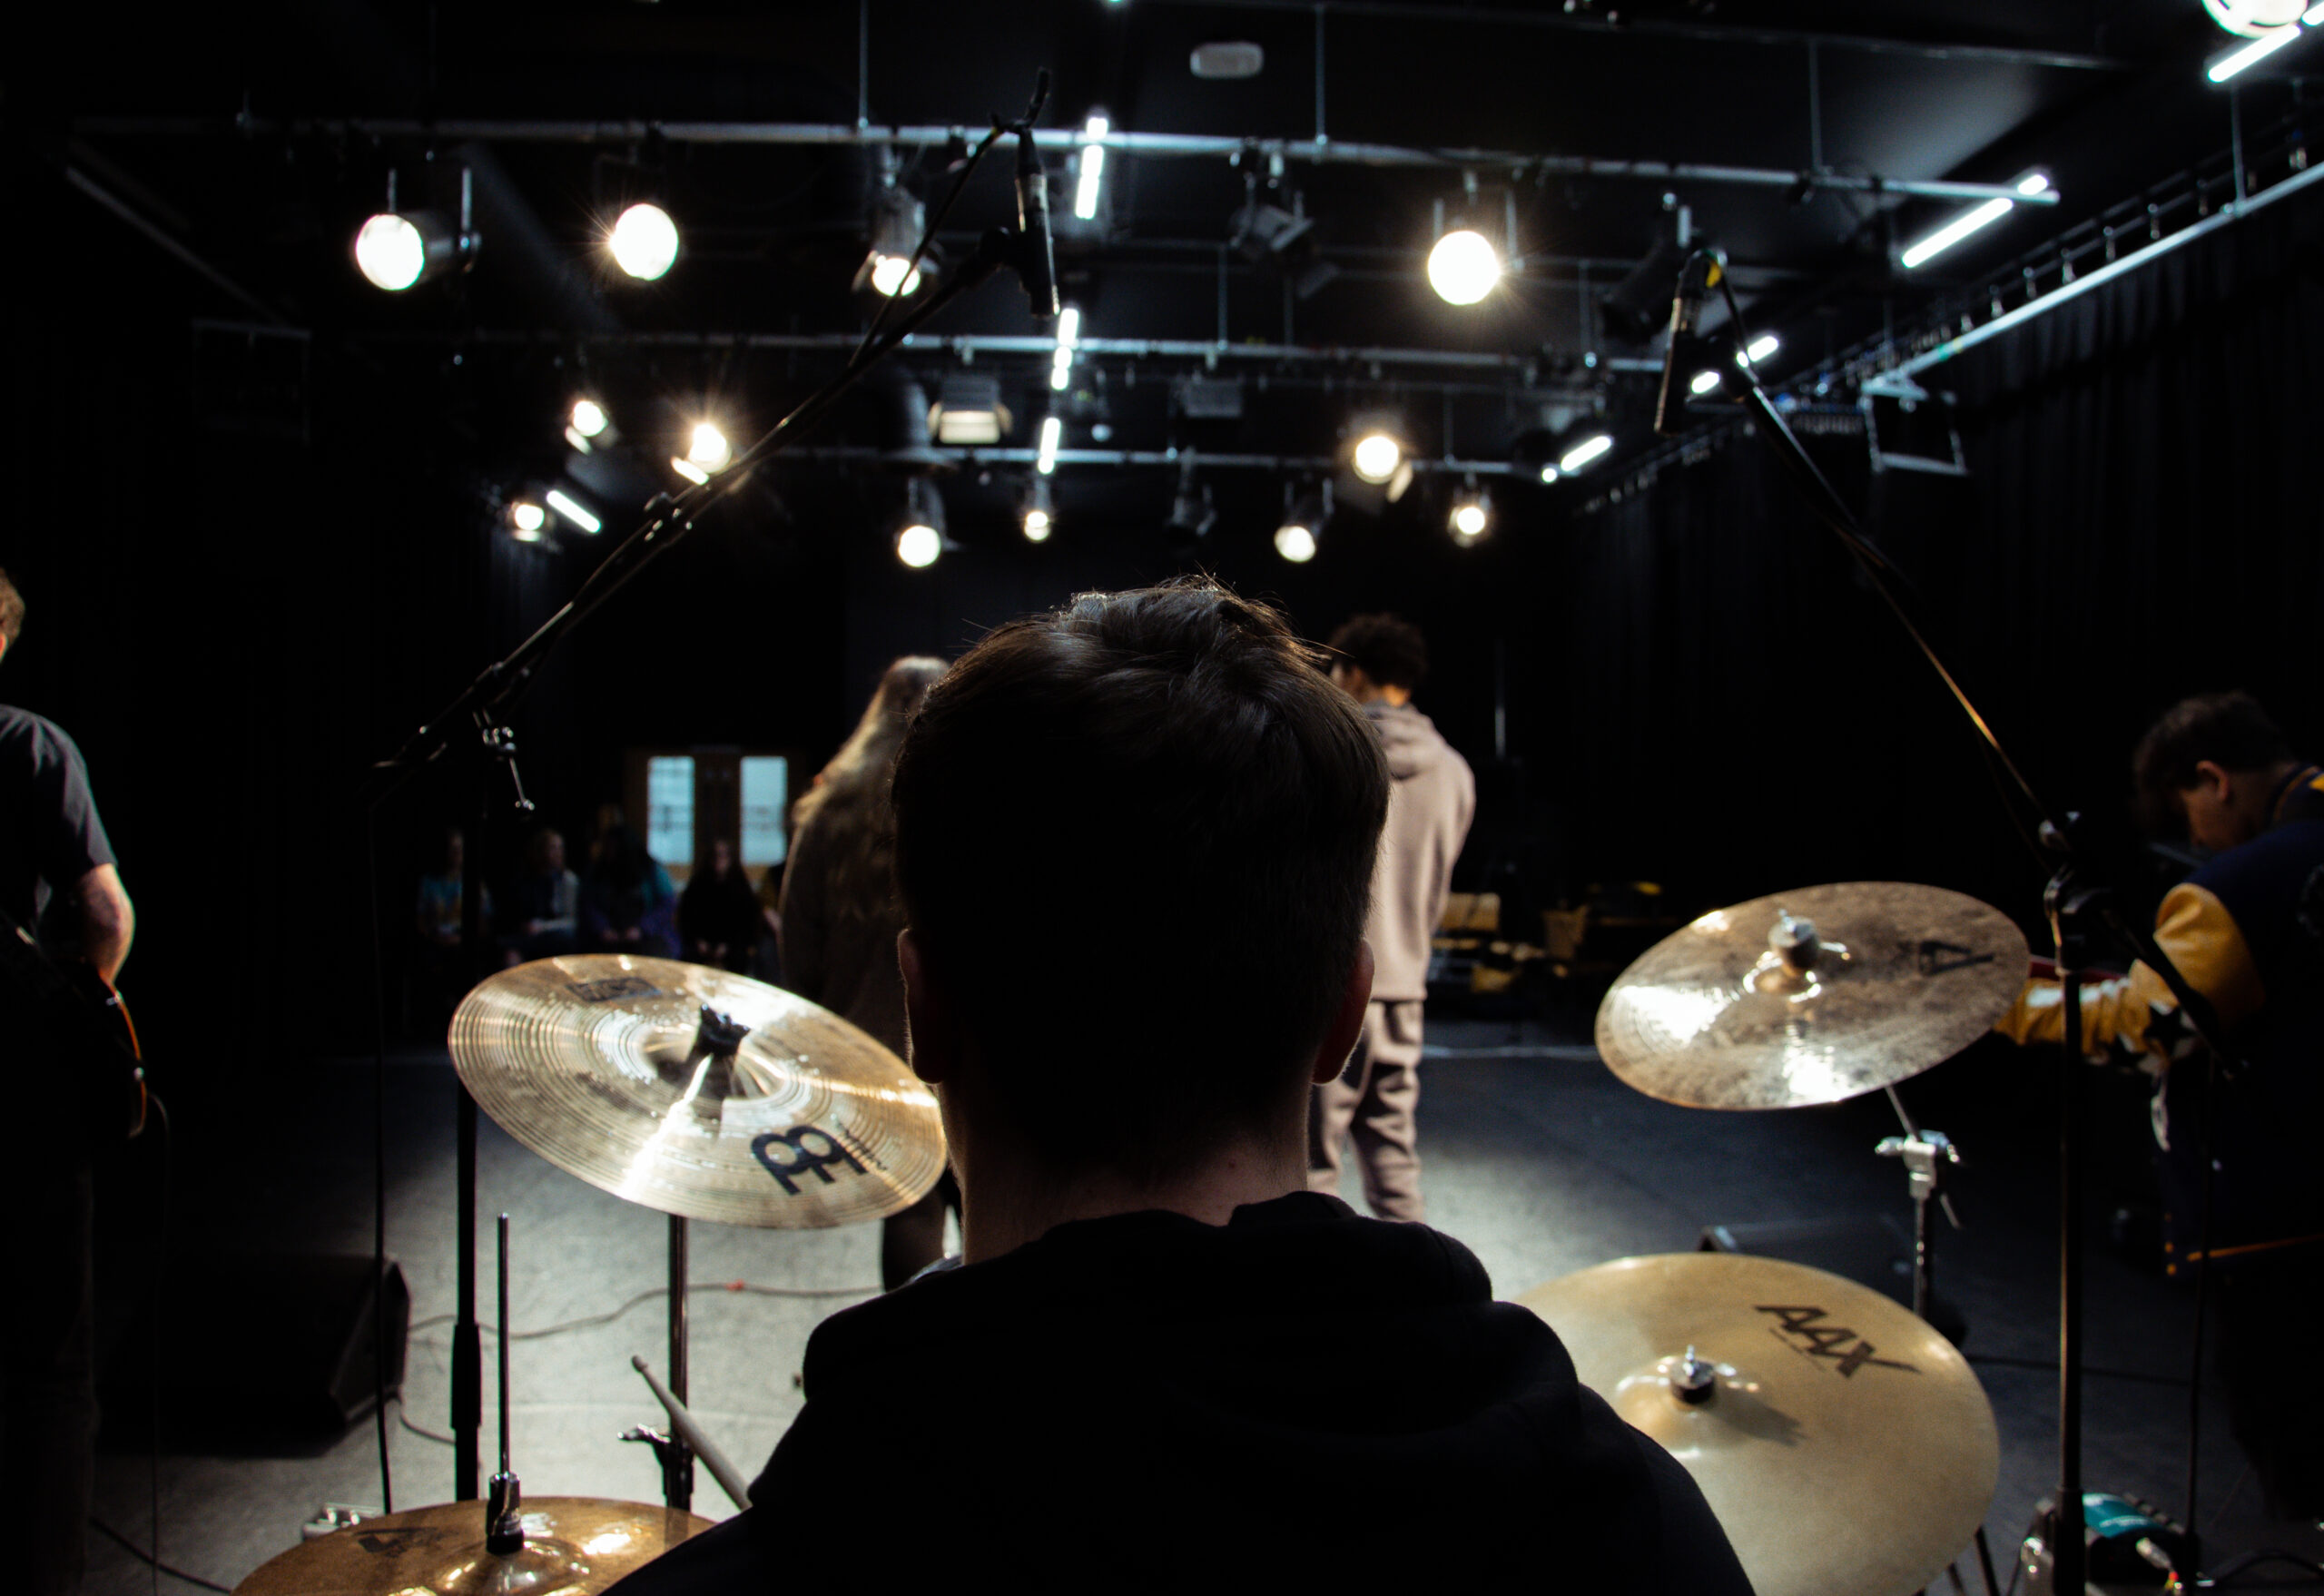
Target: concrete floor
x: 1536, y: 1157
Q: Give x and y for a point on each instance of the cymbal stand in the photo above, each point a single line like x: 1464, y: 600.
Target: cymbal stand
x: 1925, y: 1154
x: 674, y: 1451
x: 504, y: 1515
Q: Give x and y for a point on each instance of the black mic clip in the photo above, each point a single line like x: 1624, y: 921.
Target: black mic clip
x: 1689, y: 351
x: 1035, y: 251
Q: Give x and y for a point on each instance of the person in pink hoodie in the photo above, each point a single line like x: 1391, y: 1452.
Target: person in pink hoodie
x: 1379, y: 661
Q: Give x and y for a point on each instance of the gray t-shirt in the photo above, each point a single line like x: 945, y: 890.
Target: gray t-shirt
x: 50, y: 834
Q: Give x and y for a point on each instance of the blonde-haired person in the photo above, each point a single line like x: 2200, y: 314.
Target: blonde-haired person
x: 839, y: 914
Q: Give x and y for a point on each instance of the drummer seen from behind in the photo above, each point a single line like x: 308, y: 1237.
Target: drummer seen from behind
x: 1140, y: 1370
x: 2247, y: 930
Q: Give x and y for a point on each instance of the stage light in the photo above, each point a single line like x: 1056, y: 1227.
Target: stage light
x: 527, y: 517
x: 1191, y: 515
x: 1377, y: 456
x: 565, y: 504
x: 1093, y: 169
x: 1038, y: 514
x: 396, y: 250
x: 1549, y: 474
x: 1052, y: 433
x: 1972, y: 221
x: 898, y: 219
x: 2257, y: 51
x: 689, y: 470
x: 969, y: 412
x: 581, y: 444
x: 920, y: 534
x: 707, y: 447
x: 2254, y: 18
x: 1463, y: 267
x: 1303, y: 524
x: 1704, y: 382
x: 1758, y: 349
x: 1068, y: 333
x: 1472, y: 515
x: 1582, y: 453
x: 643, y: 242
x: 589, y: 417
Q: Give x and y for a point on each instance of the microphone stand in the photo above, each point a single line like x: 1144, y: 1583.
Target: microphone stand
x: 483, y: 702
x: 2066, y: 903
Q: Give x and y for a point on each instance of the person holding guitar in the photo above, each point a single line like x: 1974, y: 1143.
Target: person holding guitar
x: 52, y: 845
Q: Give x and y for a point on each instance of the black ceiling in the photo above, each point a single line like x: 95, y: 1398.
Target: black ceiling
x: 257, y: 146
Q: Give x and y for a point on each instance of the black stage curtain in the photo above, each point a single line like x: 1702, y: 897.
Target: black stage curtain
x: 2140, y: 522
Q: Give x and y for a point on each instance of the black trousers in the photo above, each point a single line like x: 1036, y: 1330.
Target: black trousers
x: 48, y: 1405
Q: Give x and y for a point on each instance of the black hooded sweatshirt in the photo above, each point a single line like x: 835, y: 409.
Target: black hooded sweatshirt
x: 1146, y: 1400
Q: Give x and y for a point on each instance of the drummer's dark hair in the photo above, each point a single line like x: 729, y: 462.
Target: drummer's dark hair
x: 2227, y: 729
x: 1135, y: 839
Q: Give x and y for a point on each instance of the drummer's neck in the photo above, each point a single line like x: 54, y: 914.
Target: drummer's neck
x: 1008, y: 1204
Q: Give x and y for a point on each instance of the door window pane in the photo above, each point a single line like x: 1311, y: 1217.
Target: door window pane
x: 766, y: 796
x: 669, y: 809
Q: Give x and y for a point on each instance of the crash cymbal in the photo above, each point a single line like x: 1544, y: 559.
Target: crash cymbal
x: 573, y: 1545
x: 1843, y: 1444
x: 611, y: 1068
x: 1811, y: 996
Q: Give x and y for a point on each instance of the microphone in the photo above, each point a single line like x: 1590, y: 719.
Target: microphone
x: 1036, y: 252
x: 1703, y: 270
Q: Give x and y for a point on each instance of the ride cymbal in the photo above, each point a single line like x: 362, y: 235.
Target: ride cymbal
x: 1811, y: 996
x: 699, y: 1093
x: 1843, y: 1444
x: 573, y: 1545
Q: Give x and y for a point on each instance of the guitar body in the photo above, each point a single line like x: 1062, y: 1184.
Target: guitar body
x: 83, y: 1025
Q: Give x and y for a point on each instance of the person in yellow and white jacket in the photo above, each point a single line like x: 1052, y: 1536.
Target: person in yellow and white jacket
x: 2247, y: 930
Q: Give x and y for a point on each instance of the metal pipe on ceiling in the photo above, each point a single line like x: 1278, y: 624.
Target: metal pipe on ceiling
x: 969, y: 345
x: 1208, y: 146
x: 845, y: 454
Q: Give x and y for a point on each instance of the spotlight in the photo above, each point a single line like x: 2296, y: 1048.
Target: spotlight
x: 689, y: 470
x: 643, y: 242
x: 572, y: 509
x: 1052, y: 431
x: 898, y: 219
x: 1191, y: 515
x: 969, y: 410
x: 1463, y: 267
x: 1377, y: 456
x: 920, y: 533
x: 1639, y: 305
x: 1704, y: 382
x: 1973, y: 220
x: 1303, y: 524
x: 907, y: 445
x: 1281, y: 240
x: 1549, y: 474
x: 1093, y: 169
x: 707, y: 448
x: 1581, y: 454
x: 589, y: 417
x: 1472, y: 515
x: 1038, y: 514
x: 528, y: 519
x: 1758, y: 349
x: 396, y: 250
x: 2254, y: 18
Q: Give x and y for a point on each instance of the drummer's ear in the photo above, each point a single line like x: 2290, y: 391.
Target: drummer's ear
x: 928, y: 1012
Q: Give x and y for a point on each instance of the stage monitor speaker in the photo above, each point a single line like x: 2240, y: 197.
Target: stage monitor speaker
x: 259, y: 1350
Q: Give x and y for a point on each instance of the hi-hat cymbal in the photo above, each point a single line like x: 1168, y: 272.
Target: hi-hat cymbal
x: 1811, y: 996
x: 1842, y: 1442
x: 573, y: 1545
x: 613, y: 1069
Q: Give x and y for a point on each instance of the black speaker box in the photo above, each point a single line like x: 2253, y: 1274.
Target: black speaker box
x: 259, y: 1350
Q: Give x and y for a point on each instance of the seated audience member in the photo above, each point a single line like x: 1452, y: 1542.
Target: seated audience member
x: 546, y: 904
x: 1161, y: 1358
x: 719, y: 918
x: 436, y: 910
x: 839, y: 914
x: 628, y: 903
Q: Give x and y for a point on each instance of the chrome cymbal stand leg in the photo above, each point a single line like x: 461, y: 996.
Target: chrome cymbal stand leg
x: 677, y: 1458
x: 1925, y: 1154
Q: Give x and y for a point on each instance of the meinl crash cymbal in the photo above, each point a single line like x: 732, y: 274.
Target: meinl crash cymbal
x: 1843, y: 1444
x: 1811, y: 996
x: 698, y: 1093
x: 573, y: 1545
